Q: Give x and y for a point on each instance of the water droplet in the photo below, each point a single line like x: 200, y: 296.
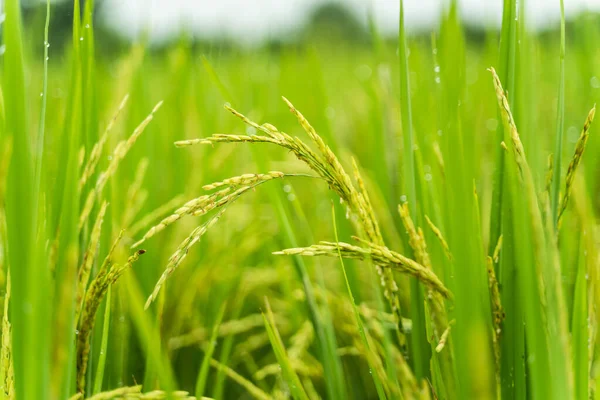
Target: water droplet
x: 287, y: 188
x: 403, y: 198
x: 47, y: 44
x: 42, y: 94
x: 87, y: 26
x: 434, y: 51
x: 250, y: 131
x: 109, y: 158
x: 76, y: 331
x: 81, y: 38
x: 595, y: 82
x: 437, y: 69
x: 2, y: 49
x: 47, y: 58
x: 291, y: 197
x: 428, y: 177
x: 438, y: 80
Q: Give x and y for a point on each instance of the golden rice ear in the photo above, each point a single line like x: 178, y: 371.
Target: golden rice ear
x: 181, y: 253
x: 328, y: 167
x: 380, y: 255
x: 88, y: 260
x: 109, y: 273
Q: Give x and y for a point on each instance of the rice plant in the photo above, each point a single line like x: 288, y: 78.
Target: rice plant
x: 418, y: 218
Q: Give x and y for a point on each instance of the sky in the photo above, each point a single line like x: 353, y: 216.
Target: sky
x: 252, y: 21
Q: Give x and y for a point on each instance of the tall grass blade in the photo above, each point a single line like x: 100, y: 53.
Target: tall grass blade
x: 30, y: 298
x: 359, y: 324
x: 560, y: 121
x: 210, y: 348
x: 289, y: 374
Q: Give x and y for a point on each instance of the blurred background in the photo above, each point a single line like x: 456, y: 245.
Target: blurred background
x: 161, y: 22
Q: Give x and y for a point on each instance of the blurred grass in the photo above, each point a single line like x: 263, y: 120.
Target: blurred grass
x: 424, y: 127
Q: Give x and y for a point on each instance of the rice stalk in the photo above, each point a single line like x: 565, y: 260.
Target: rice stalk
x: 108, y: 274
x: 438, y: 234
x: 136, y: 196
x: 560, y: 121
x: 44, y: 94
x: 252, y: 389
x: 575, y: 161
x: 112, y: 394
x: 287, y: 371
x: 188, y: 208
x: 302, y: 362
x: 546, y: 262
x: 164, y: 395
x: 373, y: 360
x: 181, y: 253
x: 380, y: 255
x: 245, y: 180
x: 92, y: 162
x: 435, y: 303
x: 227, y: 328
x: 88, y: 260
x: 145, y: 221
x: 419, y: 246
x: 498, y: 315
x: 119, y: 153
x: 235, y: 187
x: 208, y: 352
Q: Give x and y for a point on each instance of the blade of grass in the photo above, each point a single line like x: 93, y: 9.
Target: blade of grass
x: 210, y: 348
x: 68, y: 245
x: 29, y: 305
x: 42, y: 124
x: 358, y: 320
x: 99, y: 376
x: 289, y: 374
x: 420, y: 348
x: 579, y: 329
x: 148, y: 335
x: 408, y: 155
x: 560, y: 122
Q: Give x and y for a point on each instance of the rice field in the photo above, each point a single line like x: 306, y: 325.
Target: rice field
x: 414, y: 217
